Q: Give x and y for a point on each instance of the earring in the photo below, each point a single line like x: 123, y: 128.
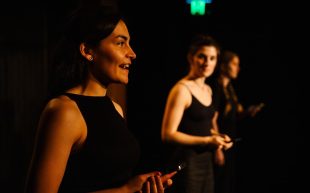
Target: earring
x: 91, y: 58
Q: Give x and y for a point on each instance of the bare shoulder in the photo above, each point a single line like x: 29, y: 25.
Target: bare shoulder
x: 180, y: 93
x: 62, y: 117
x: 62, y: 106
x: 181, y: 88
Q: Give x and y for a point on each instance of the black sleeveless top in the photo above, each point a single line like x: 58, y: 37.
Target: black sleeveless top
x: 227, y: 118
x: 197, y: 118
x: 197, y: 121
x: 109, y: 154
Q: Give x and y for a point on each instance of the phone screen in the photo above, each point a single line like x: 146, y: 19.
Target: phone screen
x: 181, y: 166
x: 177, y: 168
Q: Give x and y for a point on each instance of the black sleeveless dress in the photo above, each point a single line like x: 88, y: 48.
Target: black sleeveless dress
x: 226, y: 176
x: 197, y: 176
x: 109, y: 154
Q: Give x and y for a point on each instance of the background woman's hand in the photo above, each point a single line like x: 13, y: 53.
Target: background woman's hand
x: 254, y: 109
x: 222, y: 141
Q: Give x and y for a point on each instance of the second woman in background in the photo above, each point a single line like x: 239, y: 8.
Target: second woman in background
x: 188, y: 117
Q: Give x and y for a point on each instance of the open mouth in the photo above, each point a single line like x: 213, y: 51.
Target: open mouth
x: 125, y: 66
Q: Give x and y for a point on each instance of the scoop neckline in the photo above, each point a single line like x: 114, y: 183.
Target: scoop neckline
x: 85, y: 96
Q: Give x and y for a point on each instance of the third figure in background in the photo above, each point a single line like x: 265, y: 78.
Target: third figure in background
x: 228, y: 111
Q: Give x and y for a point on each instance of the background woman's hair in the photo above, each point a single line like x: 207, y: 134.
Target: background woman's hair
x: 202, y: 40
x: 225, y: 59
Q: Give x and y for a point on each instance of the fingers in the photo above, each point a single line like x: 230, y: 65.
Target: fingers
x: 166, y: 177
x: 220, y: 147
x: 168, y: 183
x: 220, y: 141
x: 146, y: 187
x: 261, y: 105
x: 225, y: 142
x: 153, y: 182
x: 228, y: 145
x: 153, y: 185
x: 159, y: 185
x: 148, y: 175
x: 254, y: 109
x: 141, y: 183
x: 227, y: 138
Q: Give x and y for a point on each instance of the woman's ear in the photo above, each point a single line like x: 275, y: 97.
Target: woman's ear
x: 86, y: 52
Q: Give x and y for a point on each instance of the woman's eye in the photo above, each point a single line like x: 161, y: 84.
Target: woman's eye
x: 201, y: 56
x: 120, y: 43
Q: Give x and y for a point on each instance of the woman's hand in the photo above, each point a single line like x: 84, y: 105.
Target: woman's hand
x: 222, y: 141
x: 219, y: 157
x: 157, y: 184
x: 153, y: 185
x: 254, y: 109
x: 144, y: 183
x: 152, y: 182
x: 166, y: 179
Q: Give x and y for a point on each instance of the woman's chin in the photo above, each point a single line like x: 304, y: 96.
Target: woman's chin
x: 124, y: 81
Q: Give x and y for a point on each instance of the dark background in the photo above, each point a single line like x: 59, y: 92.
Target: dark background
x: 272, y: 153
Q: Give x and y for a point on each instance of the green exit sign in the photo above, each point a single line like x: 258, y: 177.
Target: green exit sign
x: 198, y: 7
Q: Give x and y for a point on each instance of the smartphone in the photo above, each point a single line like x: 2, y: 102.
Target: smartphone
x: 237, y: 139
x: 176, y: 168
x: 181, y: 166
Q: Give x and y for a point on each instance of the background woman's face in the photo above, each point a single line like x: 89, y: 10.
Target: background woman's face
x: 204, y: 61
x: 233, y: 68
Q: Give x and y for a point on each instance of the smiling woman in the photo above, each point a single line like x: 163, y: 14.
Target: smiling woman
x: 188, y: 118
x: 83, y: 144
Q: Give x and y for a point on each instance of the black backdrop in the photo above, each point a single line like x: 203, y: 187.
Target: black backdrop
x: 160, y: 32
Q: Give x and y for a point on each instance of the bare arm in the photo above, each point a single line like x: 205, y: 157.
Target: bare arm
x: 178, y: 100
x: 59, y: 129
x: 219, y: 157
x: 215, y: 128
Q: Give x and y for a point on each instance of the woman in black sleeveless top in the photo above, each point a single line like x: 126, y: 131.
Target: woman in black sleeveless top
x: 83, y: 144
x: 229, y: 111
x: 187, y: 121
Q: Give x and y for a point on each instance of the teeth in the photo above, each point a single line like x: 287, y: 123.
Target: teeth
x: 125, y: 66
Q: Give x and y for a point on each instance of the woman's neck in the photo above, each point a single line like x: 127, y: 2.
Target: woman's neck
x: 90, y: 88
x: 200, y: 81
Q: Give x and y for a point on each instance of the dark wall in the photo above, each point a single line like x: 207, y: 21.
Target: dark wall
x: 23, y: 73
x: 160, y: 33
x: 28, y: 32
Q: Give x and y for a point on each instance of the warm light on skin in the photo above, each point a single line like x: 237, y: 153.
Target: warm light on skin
x: 203, y: 62
x: 112, y: 55
x: 233, y: 68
